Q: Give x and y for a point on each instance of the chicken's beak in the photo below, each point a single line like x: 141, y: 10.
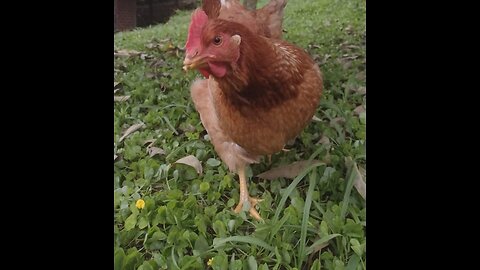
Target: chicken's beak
x: 194, y: 62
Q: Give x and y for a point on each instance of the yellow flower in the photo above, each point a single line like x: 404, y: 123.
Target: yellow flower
x: 140, y: 204
x: 210, y: 262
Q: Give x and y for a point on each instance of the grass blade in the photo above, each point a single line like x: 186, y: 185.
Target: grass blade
x: 319, y: 207
x: 174, y: 260
x: 321, y: 241
x: 290, y: 188
x: 306, y: 214
x: 353, y: 262
x: 287, y: 171
x: 276, y: 227
x: 172, y: 128
x: 348, y: 189
x: 180, y: 148
x: 217, y: 242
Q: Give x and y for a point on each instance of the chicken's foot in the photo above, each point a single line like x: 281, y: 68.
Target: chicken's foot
x: 245, y: 197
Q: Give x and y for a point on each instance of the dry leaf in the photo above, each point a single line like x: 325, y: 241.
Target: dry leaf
x: 157, y: 63
x: 324, y: 140
x: 347, y: 65
x: 287, y: 171
x: 349, y: 57
x: 349, y: 29
x: 290, y: 143
x: 324, y: 59
x: 358, y: 182
x: 144, y: 56
x: 151, y: 45
x: 164, y: 40
x: 337, y: 120
x: 149, y: 75
x: 191, y: 161
x: 362, y: 171
x: 361, y: 90
x: 116, y: 87
x: 130, y: 130
x: 315, y: 118
x: 152, y: 151
x: 358, y: 110
x: 187, y: 128
x: 150, y: 142
x: 120, y: 98
x: 114, y: 156
x: 346, y: 46
x: 126, y: 53
x: 361, y: 75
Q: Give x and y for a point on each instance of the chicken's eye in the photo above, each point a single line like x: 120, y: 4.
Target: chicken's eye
x: 217, y: 40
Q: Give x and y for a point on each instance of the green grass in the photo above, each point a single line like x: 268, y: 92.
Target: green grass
x: 315, y: 221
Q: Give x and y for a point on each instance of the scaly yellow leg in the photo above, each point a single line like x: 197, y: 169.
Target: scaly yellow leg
x: 245, y: 197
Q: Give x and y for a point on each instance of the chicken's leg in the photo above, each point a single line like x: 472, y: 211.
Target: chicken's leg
x: 244, y: 197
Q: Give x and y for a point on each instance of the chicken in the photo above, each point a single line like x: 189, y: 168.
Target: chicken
x: 260, y: 93
x: 266, y: 21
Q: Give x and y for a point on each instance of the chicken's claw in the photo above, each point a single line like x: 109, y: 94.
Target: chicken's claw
x: 252, y: 202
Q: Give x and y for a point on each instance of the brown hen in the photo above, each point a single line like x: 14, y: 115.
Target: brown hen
x: 260, y: 93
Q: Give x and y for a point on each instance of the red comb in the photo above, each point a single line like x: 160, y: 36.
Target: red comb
x: 198, y: 21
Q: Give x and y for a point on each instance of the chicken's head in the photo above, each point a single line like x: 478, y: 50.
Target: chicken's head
x: 212, y: 46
